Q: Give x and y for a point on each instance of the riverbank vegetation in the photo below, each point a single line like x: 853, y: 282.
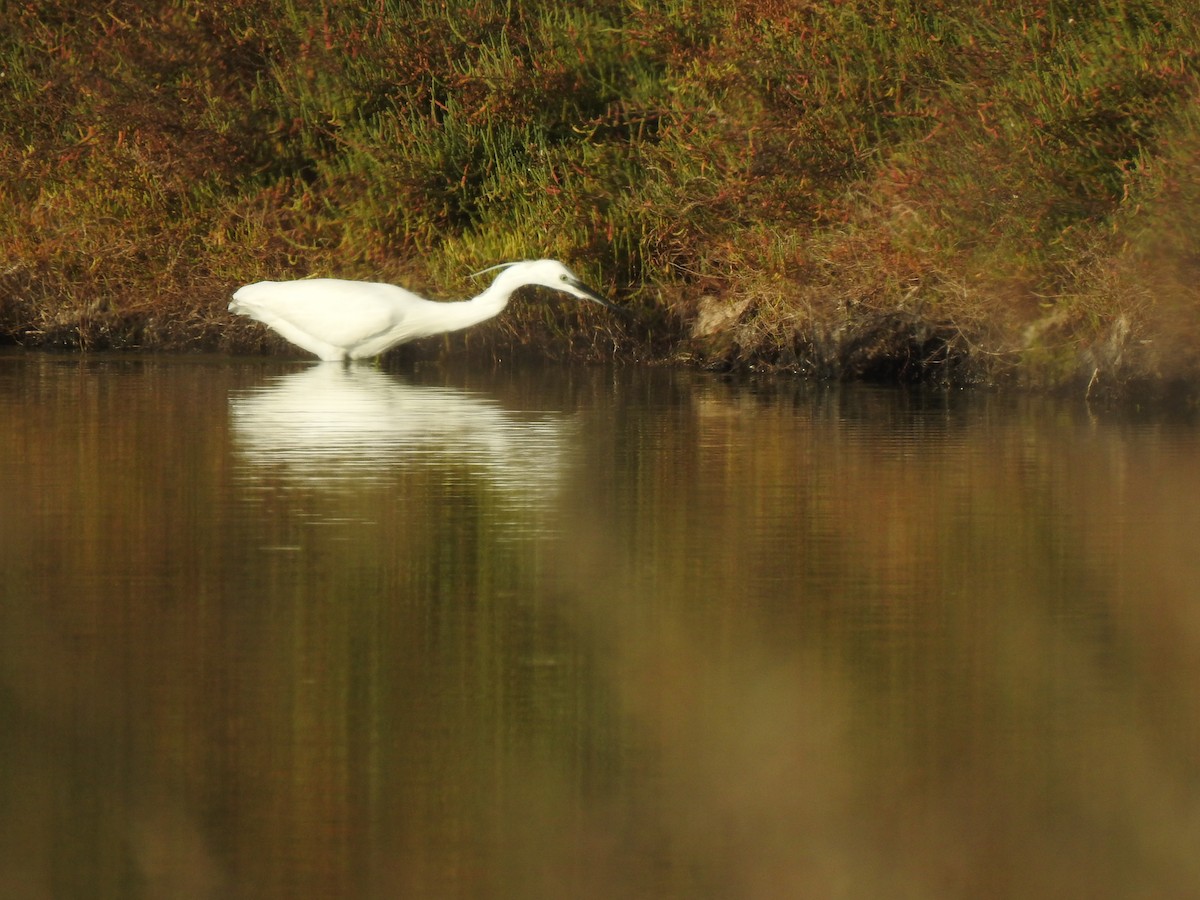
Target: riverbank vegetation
x: 949, y: 190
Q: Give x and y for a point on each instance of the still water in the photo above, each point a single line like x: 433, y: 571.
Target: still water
x: 280, y: 630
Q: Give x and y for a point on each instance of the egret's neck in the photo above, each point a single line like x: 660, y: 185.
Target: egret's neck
x: 465, y: 313
x: 496, y: 297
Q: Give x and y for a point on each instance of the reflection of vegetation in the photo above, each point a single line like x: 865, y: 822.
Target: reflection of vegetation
x: 890, y: 189
x: 916, y: 643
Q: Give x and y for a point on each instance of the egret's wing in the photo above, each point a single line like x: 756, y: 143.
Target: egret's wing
x: 336, y: 313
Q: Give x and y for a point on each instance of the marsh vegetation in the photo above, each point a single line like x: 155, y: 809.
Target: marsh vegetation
x: 957, y: 191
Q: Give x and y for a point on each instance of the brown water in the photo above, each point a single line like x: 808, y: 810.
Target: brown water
x: 274, y: 630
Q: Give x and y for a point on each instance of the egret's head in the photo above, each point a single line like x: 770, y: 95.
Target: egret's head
x: 546, y: 273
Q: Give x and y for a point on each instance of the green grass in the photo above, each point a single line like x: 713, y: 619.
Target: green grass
x: 946, y: 190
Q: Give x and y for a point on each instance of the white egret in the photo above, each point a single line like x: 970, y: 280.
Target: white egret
x: 343, y: 320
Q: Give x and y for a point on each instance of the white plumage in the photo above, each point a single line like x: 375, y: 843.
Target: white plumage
x: 339, y: 320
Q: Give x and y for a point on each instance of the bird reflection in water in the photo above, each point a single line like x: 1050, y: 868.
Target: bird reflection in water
x: 331, y: 424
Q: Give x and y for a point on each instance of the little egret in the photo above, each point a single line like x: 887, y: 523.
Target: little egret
x: 343, y: 320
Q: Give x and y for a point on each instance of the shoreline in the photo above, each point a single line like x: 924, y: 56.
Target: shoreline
x: 887, y: 349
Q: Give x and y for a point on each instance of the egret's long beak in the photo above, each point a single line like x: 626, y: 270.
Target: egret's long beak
x: 588, y: 294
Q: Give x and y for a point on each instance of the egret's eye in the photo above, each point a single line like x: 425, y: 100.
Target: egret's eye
x: 563, y: 277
